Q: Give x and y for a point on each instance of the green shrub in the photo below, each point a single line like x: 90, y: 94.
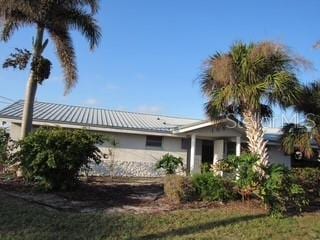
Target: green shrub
x: 205, y: 167
x: 309, y: 179
x: 241, y: 170
x: 278, y: 187
x: 53, y: 157
x: 169, y: 163
x: 279, y: 190
x: 212, y: 187
x: 4, y: 138
x: 178, y: 188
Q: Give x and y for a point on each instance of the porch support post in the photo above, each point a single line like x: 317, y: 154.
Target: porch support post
x: 238, y: 146
x: 218, y: 150
x: 192, y: 153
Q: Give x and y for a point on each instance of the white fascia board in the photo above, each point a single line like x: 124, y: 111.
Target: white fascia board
x: 195, y: 127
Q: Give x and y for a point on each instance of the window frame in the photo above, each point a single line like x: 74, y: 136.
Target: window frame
x: 156, y: 142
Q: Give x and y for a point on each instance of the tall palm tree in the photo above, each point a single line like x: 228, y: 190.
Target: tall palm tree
x: 298, y: 137
x: 251, y: 78
x: 56, y: 18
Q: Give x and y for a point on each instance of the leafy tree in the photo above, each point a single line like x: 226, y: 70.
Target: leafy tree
x: 57, y: 18
x: 249, y: 79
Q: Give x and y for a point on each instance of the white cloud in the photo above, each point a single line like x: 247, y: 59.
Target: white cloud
x: 91, y: 102
x: 149, y: 109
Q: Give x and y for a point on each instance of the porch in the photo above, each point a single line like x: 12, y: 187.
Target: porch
x: 211, y: 141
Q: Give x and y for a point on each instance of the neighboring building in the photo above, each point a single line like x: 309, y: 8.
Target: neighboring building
x: 142, y: 139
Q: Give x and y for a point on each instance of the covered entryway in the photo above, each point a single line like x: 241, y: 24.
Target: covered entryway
x: 207, y: 152
x: 212, y: 141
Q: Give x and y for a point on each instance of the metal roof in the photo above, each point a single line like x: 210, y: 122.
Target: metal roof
x: 103, y: 118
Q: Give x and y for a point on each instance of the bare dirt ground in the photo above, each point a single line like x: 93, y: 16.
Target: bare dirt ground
x: 109, y: 195
x: 94, y: 194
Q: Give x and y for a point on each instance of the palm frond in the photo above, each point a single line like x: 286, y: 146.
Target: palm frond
x: 85, y: 23
x: 296, y: 138
x: 66, y: 55
x: 93, y: 4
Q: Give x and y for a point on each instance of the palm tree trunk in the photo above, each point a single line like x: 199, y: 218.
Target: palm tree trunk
x: 254, y: 131
x: 31, y: 87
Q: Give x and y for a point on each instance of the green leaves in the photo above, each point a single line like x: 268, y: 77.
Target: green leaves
x: 280, y: 191
x: 53, y: 157
x: 19, y: 59
x: 297, y: 138
x: 248, y: 75
x: 169, y: 163
x: 4, y: 138
x: 211, y: 187
x: 58, y: 18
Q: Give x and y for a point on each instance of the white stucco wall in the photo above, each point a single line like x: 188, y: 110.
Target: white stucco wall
x: 131, y: 156
x: 15, y: 131
x: 277, y: 156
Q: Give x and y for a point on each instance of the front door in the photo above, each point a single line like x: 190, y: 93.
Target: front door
x: 207, y: 152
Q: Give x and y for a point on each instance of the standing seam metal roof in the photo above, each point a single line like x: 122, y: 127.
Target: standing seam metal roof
x: 86, y: 116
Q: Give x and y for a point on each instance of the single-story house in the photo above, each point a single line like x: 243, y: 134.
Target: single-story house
x: 142, y: 139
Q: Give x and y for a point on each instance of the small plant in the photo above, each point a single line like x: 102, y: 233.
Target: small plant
x: 53, y: 157
x: 212, y: 187
x: 169, y: 163
x: 178, y: 189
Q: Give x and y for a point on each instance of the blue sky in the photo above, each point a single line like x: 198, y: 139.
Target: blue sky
x: 152, y: 51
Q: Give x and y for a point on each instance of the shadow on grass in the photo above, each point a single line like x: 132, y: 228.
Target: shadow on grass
x: 200, y: 228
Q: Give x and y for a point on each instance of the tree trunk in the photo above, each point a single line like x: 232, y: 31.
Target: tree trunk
x: 31, y: 87
x: 254, y: 131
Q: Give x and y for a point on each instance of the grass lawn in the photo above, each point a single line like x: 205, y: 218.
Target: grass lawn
x: 22, y: 220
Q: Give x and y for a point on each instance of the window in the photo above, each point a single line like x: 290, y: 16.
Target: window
x: 185, y: 143
x: 154, y: 141
x: 231, y: 148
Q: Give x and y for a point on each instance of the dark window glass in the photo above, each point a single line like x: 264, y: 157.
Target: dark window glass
x: 154, y: 141
x: 231, y: 148
x: 185, y: 143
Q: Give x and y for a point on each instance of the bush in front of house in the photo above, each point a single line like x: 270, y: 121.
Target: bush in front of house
x: 169, y: 163
x: 211, y: 187
x: 53, y: 157
x: 277, y: 187
x: 241, y: 170
x: 4, y: 138
x: 178, y: 189
x: 280, y: 190
x: 309, y: 179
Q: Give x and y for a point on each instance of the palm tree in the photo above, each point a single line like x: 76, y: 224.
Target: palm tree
x: 251, y: 78
x: 301, y: 138
x: 56, y: 18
